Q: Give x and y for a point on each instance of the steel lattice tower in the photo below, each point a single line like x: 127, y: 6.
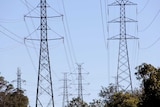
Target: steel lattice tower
x: 19, y: 80
x: 80, y: 84
x: 123, y: 80
x: 80, y: 92
x: 65, y: 91
x: 44, y: 96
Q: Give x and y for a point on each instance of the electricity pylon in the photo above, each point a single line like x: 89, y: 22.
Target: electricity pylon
x: 65, y: 91
x: 80, y: 89
x: 80, y: 84
x: 44, y: 91
x: 44, y: 94
x: 19, y: 80
x: 123, y: 80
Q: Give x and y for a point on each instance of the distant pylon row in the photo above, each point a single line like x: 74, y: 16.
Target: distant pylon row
x: 80, y: 87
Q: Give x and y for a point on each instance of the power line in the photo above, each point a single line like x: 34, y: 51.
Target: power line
x: 149, y: 25
x: 103, y: 25
x: 35, y: 69
x: 68, y: 34
x: 26, y: 3
x: 10, y: 20
x: 151, y: 45
x: 11, y: 32
x: 29, y: 6
x: 104, y: 33
x: 144, y: 6
x: 67, y: 56
x: 12, y: 38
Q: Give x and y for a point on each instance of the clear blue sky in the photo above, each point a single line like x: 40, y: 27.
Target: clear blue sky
x: 84, y: 22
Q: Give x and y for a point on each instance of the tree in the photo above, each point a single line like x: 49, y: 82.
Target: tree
x: 107, y: 92
x: 97, y: 103
x: 112, y: 98
x: 11, y: 97
x: 150, y: 85
x: 77, y: 102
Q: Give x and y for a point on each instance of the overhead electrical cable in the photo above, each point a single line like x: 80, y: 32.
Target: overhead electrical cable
x: 26, y: 3
x: 69, y: 42
x: 108, y: 53
x: 10, y: 20
x: 144, y: 6
x: 103, y: 25
x: 150, y: 46
x: 29, y: 6
x: 35, y: 69
x: 69, y: 49
x: 65, y: 49
x: 56, y: 11
x: 104, y: 33
x: 149, y: 25
x: 11, y: 32
x: 57, y: 33
x: 11, y: 38
x: 29, y: 54
x: 69, y: 34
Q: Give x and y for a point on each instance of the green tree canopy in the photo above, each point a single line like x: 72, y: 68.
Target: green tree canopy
x: 11, y: 97
x: 150, y: 85
x: 77, y: 102
x: 118, y: 99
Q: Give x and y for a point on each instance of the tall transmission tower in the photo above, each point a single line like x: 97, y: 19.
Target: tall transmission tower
x: 44, y: 91
x: 44, y: 96
x: 65, y: 91
x: 124, y: 81
x: 80, y: 89
x: 80, y: 82
x: 80, y: 85
x: 19, y: 80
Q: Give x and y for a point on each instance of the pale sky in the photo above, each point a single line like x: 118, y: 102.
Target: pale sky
x: 84, y: 43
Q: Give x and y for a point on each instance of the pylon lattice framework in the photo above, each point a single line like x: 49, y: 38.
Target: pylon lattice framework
x: 80, y: 92
x: 44, y: 96
x: 65, y: 91
x: 19, y: 80
x: 123, y: 80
